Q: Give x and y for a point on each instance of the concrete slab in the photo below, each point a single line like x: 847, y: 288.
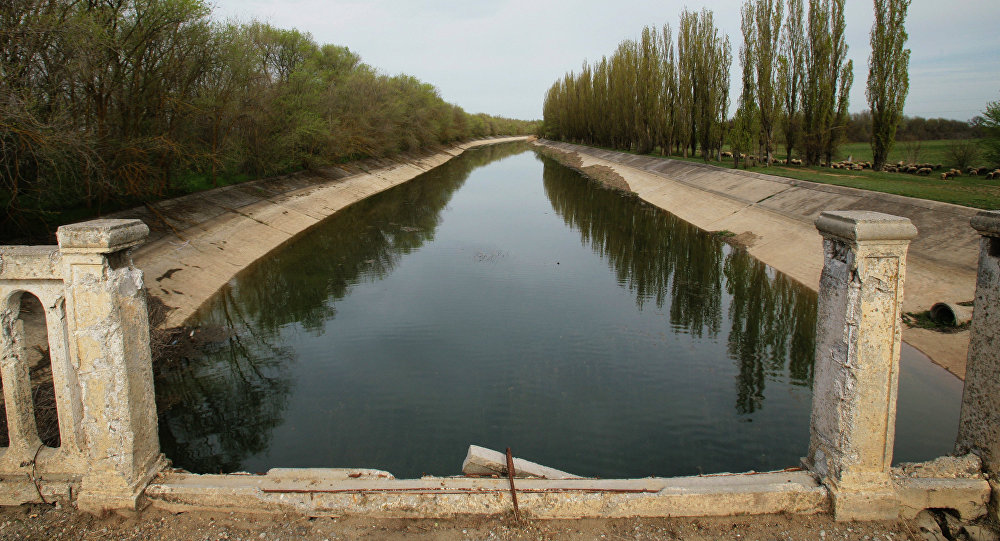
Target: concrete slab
x: 483, y: 461
x: 724, y: 495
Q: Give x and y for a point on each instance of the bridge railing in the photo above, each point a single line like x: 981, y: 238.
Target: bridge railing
x: 97, y: 327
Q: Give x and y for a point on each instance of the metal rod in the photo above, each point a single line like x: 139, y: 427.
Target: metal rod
x: 510, y: 477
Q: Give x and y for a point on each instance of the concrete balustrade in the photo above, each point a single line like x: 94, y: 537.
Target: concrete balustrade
x: 98, y: 338
x: 979, y: 425
x: 857, y: 360
x: 98, y: 333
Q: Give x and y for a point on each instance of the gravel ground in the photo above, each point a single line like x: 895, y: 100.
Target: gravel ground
x: 47, y: 522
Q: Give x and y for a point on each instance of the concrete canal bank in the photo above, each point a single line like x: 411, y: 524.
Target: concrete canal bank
x: 200, y: 241
x: 774, y: 218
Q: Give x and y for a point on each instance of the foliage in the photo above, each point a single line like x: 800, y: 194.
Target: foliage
x: 104, y: 104
x: 913, y: 128
x: 935, y: 152
x: 962, y: 153
x: 989, y: 122
x: 648, y: 93
x: 745, y: 125
x: 705, y: 58
x: 791, y: 71
x: 766, y: 18
x: 888, y: 78
x: 913, y: 150
x: 827, y: 80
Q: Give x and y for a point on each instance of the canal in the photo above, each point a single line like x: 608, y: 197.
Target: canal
x: 504, y: 300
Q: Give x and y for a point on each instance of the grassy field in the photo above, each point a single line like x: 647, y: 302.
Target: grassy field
x: 909, y: 152
x: 968, y: 191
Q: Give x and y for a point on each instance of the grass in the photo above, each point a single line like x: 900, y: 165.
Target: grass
x: 198, y: 182
x: 935, y: 151
x: 976, y: 192
x: 923, y: 320
x: 967, y: 191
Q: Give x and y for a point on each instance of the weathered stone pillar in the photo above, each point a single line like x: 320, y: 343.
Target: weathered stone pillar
x: 857, y: 360
x: 109, y: 343
x: 979, y: 424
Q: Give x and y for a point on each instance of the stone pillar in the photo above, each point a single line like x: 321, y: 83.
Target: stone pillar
x: 857, y: 360
x: 109, y: 346
x: 979, y: 424
x: 21, y: 429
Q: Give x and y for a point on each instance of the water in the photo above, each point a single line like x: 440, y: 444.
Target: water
x: 503, y: 300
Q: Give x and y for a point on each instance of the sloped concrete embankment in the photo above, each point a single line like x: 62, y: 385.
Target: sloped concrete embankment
x: 199, y: 242
x: 774, y: 217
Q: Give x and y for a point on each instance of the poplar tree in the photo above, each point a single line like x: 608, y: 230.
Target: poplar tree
x: 687, y: 54
x: 888, y: 78
x: 827, y: 80
x: 745, y: 125
x: 842, y: 77
x: 766, y: 18
x: 647, y: 90
x: 791, y: 71
x: 648, y: 94
x: 706, y: 58
x: 668, y: 93
x: 721, y: 61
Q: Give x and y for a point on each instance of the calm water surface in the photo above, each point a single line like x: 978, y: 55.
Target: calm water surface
x: 505, y: 301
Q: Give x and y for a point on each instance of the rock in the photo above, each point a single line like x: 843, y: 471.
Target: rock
x: 980, y: 533
x: 928, y: 527
x: 482, y: 461
x: 948, y: 467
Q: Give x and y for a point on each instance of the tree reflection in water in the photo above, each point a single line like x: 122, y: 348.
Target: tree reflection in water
x: 218, y: 409
x: 665, y: 260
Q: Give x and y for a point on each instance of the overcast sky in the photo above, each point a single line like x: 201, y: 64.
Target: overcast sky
x: 500, y: 56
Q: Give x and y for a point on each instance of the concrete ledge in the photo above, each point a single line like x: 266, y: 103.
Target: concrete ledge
x: 19, y: 490
x: 342, y: 492
x: 30, y: 263
x: 102, y: 236
x: 863, y: 226
x: 723, y: 495
x: 987, y: 223
x: 966, y: 496
x: 314, y: 475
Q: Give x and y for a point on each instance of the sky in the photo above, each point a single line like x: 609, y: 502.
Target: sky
x: 500, y: 56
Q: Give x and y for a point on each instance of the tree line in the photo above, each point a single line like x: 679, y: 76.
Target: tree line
x: 796, y: 79
x: 111, y: 102
x: 914, y: 128
x: 650, y: 93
